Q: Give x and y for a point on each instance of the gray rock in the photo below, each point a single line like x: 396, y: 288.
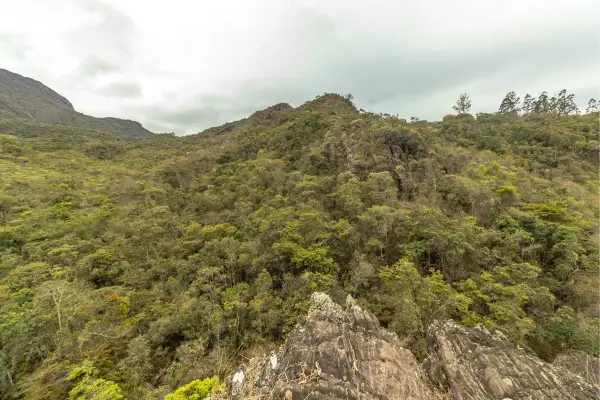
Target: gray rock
x: 27, y: 99
x: 342, y: 354
x: 475, y: 364
x: 345, y: 354
x: 581, y: 364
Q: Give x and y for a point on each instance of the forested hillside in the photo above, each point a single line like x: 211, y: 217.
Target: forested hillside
x: 130, y: 269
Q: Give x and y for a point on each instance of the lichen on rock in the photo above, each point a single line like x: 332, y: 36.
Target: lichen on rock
x: 345, y: 354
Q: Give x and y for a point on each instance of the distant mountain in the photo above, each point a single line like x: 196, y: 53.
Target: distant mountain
x: 26, y: 98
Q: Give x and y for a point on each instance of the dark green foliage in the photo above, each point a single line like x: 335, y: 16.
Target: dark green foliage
x: 510, y: 104
x: 135, y: 269
x: 560, y: 104
x: 463, y: 104
x: 592, y: 106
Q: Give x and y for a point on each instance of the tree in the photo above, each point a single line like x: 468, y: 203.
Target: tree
x: 510, y: 104
x: 542, y: 104
x: 88, y: 387
x: 137, y: 365
x: 528, y: 104
x: 564, y: 104
x: 67, y: 302
x: 511, y: 296
x: 593, y: 106
x: 417, y: 301
x: 463, y: 104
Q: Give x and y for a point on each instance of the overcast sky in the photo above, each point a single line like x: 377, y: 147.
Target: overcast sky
x: 182, y: 66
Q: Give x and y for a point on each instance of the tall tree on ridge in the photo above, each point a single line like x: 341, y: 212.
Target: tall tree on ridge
x: 463, y: 104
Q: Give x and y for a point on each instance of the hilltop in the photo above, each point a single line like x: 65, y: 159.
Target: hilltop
x: 28, y: 99
x: 132, y: 269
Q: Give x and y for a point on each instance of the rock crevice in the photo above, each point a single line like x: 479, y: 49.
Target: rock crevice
x: 345, y: 354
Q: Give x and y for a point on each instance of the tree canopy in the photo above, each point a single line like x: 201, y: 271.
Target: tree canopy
x: 148, y: 269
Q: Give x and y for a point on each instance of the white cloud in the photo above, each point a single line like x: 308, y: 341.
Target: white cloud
x: 185, y: 65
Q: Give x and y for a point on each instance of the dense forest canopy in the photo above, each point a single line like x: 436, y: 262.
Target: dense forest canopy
x: 144, y: 269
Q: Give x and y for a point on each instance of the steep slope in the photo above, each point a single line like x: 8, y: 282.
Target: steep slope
x: 474, y: 364
x: 345, y: 354
x: 28, y: 99
x: 142, y: 267
x: 336, y: 354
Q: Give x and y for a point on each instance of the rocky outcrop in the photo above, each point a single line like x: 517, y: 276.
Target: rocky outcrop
x: 271, y: 113
x: 345, y: 354
x: 581, y: 364
x: 27, y: 99
x: 474, y: 364
x: 337, y: 354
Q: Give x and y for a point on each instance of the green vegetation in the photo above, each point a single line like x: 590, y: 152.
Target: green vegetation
x: 196, y: 390
x: 142, y: 269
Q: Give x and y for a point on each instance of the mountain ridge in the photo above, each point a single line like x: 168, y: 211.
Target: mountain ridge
x: 151, y: 269
x: 26, y: 98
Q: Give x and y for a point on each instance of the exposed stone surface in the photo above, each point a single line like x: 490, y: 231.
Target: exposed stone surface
x: 28, y: 99
x: 581, y: 364
x: 475, y: 364
x: 271, y: 113
x: 341, y: 354
x: 345, y: 354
